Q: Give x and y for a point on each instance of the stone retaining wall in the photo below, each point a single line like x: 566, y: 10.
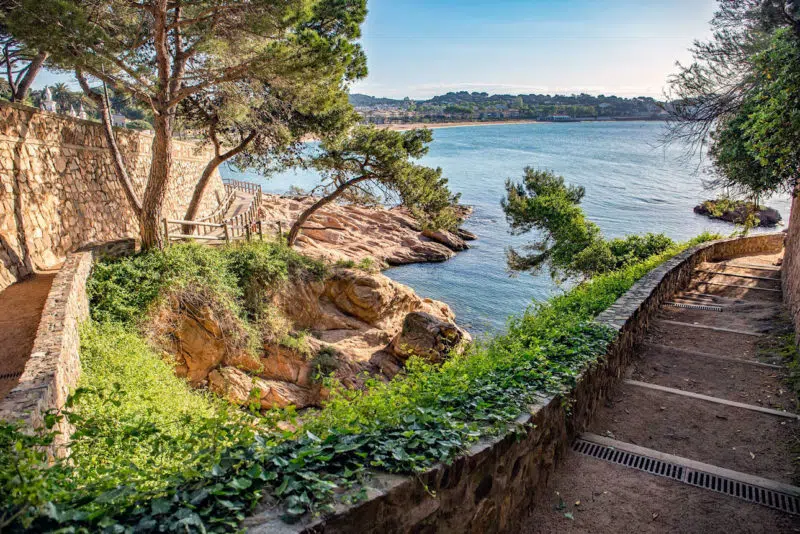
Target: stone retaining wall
x: 490, y: 488
x: 790, y: 272
x: 54, y: 366
x: 58, y: 189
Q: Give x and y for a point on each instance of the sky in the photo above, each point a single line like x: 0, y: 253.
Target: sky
x: 422, y: 48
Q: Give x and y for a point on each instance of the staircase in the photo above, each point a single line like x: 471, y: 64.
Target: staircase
x: 235, y: 219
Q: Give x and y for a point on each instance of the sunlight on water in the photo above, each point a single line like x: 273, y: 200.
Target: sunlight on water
x: 633, y: 185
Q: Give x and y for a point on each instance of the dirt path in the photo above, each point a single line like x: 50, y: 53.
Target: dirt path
x: 20, y: 308
x: 707, y: 388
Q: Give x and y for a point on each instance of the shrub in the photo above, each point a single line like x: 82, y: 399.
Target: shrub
x: 138, y: 124
x: 427, y: 415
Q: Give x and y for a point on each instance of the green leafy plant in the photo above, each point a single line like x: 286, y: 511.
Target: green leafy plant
x: 429, y: 414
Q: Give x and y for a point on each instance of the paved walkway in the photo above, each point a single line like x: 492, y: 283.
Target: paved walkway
x: 707, y: 395
x: 20, y: 309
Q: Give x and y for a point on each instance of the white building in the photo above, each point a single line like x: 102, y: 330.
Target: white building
x: 48, y: 104
x: 118, y: 119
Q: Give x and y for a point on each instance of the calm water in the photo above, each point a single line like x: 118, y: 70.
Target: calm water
x: 632, y: 186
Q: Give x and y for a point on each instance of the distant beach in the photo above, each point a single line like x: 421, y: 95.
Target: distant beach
x: 438, y: 125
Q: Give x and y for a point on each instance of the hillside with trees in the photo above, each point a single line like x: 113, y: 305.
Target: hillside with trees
x: 466, y: 106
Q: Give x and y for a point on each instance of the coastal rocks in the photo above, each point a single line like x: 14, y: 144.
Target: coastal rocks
x: 200, y: 340
x: 428, y: 337
x: 352, y: 324
x: 448, y: 239
x: 354, y: 233
x: 240, y: 388
x: 737, y: 212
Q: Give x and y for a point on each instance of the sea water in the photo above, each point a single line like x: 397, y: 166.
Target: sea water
x: 634, y: 184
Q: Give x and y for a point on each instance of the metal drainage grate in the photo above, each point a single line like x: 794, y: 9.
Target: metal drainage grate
x: 695, y: 306
x: 701, y: 479
x: 9, y: 376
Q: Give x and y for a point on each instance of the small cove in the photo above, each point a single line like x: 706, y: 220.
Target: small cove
x: 633, y: 185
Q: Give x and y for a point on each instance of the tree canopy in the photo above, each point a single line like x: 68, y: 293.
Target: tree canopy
x: 379, y: 162
x: 569, y: 244
x: 741, y: 95
x: 163, y: 52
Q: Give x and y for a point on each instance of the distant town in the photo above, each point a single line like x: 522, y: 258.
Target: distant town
x: 464, y: 106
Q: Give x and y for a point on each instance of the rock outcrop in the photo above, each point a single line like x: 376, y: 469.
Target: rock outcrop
x: 737, y: 212
x: 353, y: 323
x: 428, y: 337
x: 351, y: 232
x: 356, y: 322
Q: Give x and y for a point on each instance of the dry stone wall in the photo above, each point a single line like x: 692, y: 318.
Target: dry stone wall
x: 490, y: 488
x: 54, y: 367
x: 791, y: 265
x: 58, y: 190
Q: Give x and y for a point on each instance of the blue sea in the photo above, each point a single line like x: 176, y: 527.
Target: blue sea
x: 633, y: 185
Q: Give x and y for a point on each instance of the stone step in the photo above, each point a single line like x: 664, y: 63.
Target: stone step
x: 736, y: 279
x: 755, y: 317
x: 616, y: 499
x: 735, y: 291
x: 737, y: 269
x: 721, y: 435
x: 727, y: 379
x: 703, y: 340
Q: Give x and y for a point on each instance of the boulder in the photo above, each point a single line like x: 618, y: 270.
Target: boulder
x: 286, y: 365
x: 448, y: 239
x: 767, y: 217
x: 426, y: 336
x: 199, y: 345
x: 240, y: 388
x: 466, y: 235
x: 369, y: 297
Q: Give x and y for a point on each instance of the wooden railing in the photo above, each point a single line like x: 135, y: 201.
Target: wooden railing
x: 221, y: 226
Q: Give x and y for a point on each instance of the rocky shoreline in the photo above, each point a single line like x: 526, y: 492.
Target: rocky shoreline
x: 352, y: 233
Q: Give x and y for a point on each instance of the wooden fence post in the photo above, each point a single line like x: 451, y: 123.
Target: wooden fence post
x: 166, y: 232
x: 280, y: 231
x: 225, y: 230
x: 260, y: 231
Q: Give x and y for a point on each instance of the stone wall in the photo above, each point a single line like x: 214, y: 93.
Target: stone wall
x: 791, y: 266
x: 54, y: 367
x: 490, y: 488
x: 58, y: 190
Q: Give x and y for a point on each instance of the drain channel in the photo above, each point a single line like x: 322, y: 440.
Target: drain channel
x: 9, y: 376
x: 695, y: 306
x: 693, y: 477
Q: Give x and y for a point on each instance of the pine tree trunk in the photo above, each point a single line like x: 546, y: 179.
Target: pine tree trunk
x: 199, y: 192
x: 157, y: 184
x: 298, y: 224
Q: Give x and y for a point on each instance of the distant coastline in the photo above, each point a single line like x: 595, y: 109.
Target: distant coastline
x: 455, y: 124
x: 460, y: 124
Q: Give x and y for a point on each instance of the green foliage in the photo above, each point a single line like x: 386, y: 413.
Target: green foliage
x: 570, y: 245
x: 139, y: 430
x: 428, y: 415
x: 138, y: 124
x: 123, y: 290
x: 756, y: 149
x: 136, y: 422
x: 325, y: 362
x: 380, y: 163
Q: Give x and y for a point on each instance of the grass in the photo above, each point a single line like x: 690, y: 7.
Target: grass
x: 427, y: 415
x: 136, y: 421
